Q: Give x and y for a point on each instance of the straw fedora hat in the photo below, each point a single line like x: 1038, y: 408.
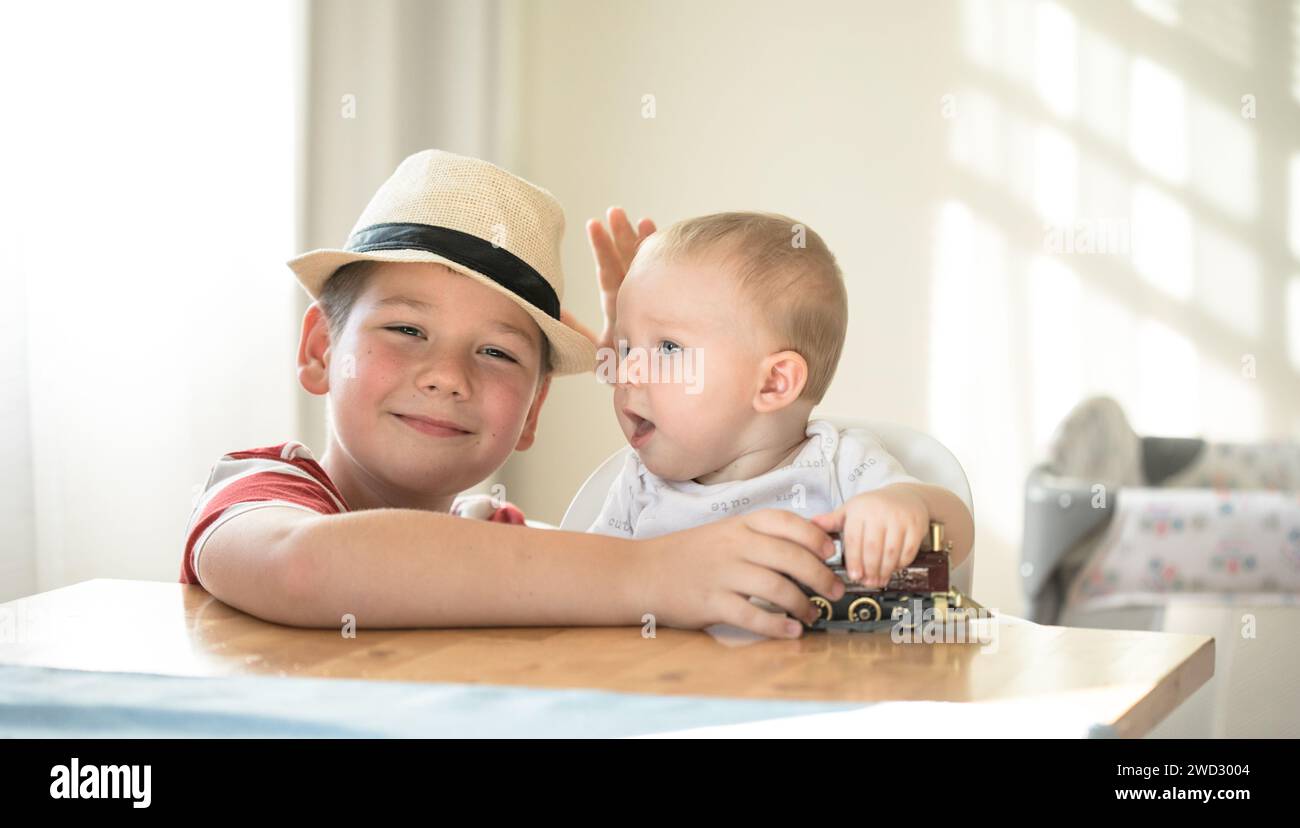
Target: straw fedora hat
x: 476, y: 219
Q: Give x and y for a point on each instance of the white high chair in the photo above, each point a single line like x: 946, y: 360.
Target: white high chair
x: 924, y: 457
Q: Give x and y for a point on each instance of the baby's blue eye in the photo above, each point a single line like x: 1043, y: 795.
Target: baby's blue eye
x: 501, y: 354
x: 668, y: 345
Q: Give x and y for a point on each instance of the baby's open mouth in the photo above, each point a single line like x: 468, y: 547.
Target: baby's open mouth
x: 643, y: 429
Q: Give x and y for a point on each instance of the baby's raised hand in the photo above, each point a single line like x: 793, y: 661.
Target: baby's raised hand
x: 881, y: 531
x: 613, y: 250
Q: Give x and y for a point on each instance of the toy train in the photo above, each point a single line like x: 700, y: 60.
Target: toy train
x: 920, y: 590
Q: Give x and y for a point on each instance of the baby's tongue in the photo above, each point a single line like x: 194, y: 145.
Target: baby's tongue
x: 643, y: 427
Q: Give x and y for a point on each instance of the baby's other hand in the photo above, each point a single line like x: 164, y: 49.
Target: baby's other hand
x: 881, y: 532
x: 613, y: 250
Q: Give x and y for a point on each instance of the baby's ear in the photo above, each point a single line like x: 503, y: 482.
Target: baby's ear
x: 530, y: 425
x: 314, y: 351
x: 784, y: 375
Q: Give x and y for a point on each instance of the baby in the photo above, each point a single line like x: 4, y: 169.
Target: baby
x: 729, y: 328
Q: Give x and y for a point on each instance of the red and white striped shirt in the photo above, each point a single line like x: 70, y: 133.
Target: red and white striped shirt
x: 285, y: 475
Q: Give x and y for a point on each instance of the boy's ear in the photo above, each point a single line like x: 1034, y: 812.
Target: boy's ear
x: 784, y: 374
x: 314, y: 351
x: 530, y: 425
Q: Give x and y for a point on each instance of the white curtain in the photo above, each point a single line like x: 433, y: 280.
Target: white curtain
x: 161, y: 162
x: 147, y: 323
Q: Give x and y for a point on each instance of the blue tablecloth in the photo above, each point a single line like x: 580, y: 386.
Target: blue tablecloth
x: 38, y: 702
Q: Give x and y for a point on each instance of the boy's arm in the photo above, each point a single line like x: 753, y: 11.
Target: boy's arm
x: 410, y: 568
x: 245, y: 561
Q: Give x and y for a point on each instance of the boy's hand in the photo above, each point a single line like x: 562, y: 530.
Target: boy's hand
x: 881, y: 531
x: 706, y: 575
x: 613, y: 250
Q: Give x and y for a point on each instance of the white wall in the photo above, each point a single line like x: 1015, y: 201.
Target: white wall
x: 963, y: 321
x: 932, y: 145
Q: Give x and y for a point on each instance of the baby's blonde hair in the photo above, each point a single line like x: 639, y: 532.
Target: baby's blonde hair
x: 786, y: 269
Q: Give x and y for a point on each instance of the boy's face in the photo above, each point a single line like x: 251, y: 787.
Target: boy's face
x: 683, y: 430
x: 423, y: 341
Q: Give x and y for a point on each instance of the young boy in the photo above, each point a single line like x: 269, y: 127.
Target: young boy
x: 434, y: 335
x: 757, y: 302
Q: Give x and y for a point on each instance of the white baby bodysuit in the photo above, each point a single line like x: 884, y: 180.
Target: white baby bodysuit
x: 832, y: 466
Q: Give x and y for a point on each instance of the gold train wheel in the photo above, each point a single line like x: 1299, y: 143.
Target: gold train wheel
x: 823, y: 606
x: 864, y: 609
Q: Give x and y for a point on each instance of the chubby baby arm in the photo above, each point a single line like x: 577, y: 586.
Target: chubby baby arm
x: 882, y: 530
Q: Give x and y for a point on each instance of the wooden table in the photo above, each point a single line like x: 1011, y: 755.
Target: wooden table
x: 1129, y: 680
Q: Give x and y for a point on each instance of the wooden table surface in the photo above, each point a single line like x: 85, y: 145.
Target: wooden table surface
x: 1131, y: 680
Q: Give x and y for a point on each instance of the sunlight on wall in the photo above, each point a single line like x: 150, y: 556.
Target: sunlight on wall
x: 1139, y: 180
x: 1230, y: 408
x: 1157, y: 120
x: 1056, y: 342
x: 975, y: 140
x: 1165, y: 11
x: 1103, y: 235
x: 1229, y: 285
x: 1109, y: 364
x: 1162, y: 241
x: 1056, y: 61
x: 1223, y: 28
x: 1056, y: 174
x: 1168, y: 382
x: 993, y: 142
x: 971, y: 312
x: 1104, y: 93
x: 1223, y: 163
x: 1000, y: 36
